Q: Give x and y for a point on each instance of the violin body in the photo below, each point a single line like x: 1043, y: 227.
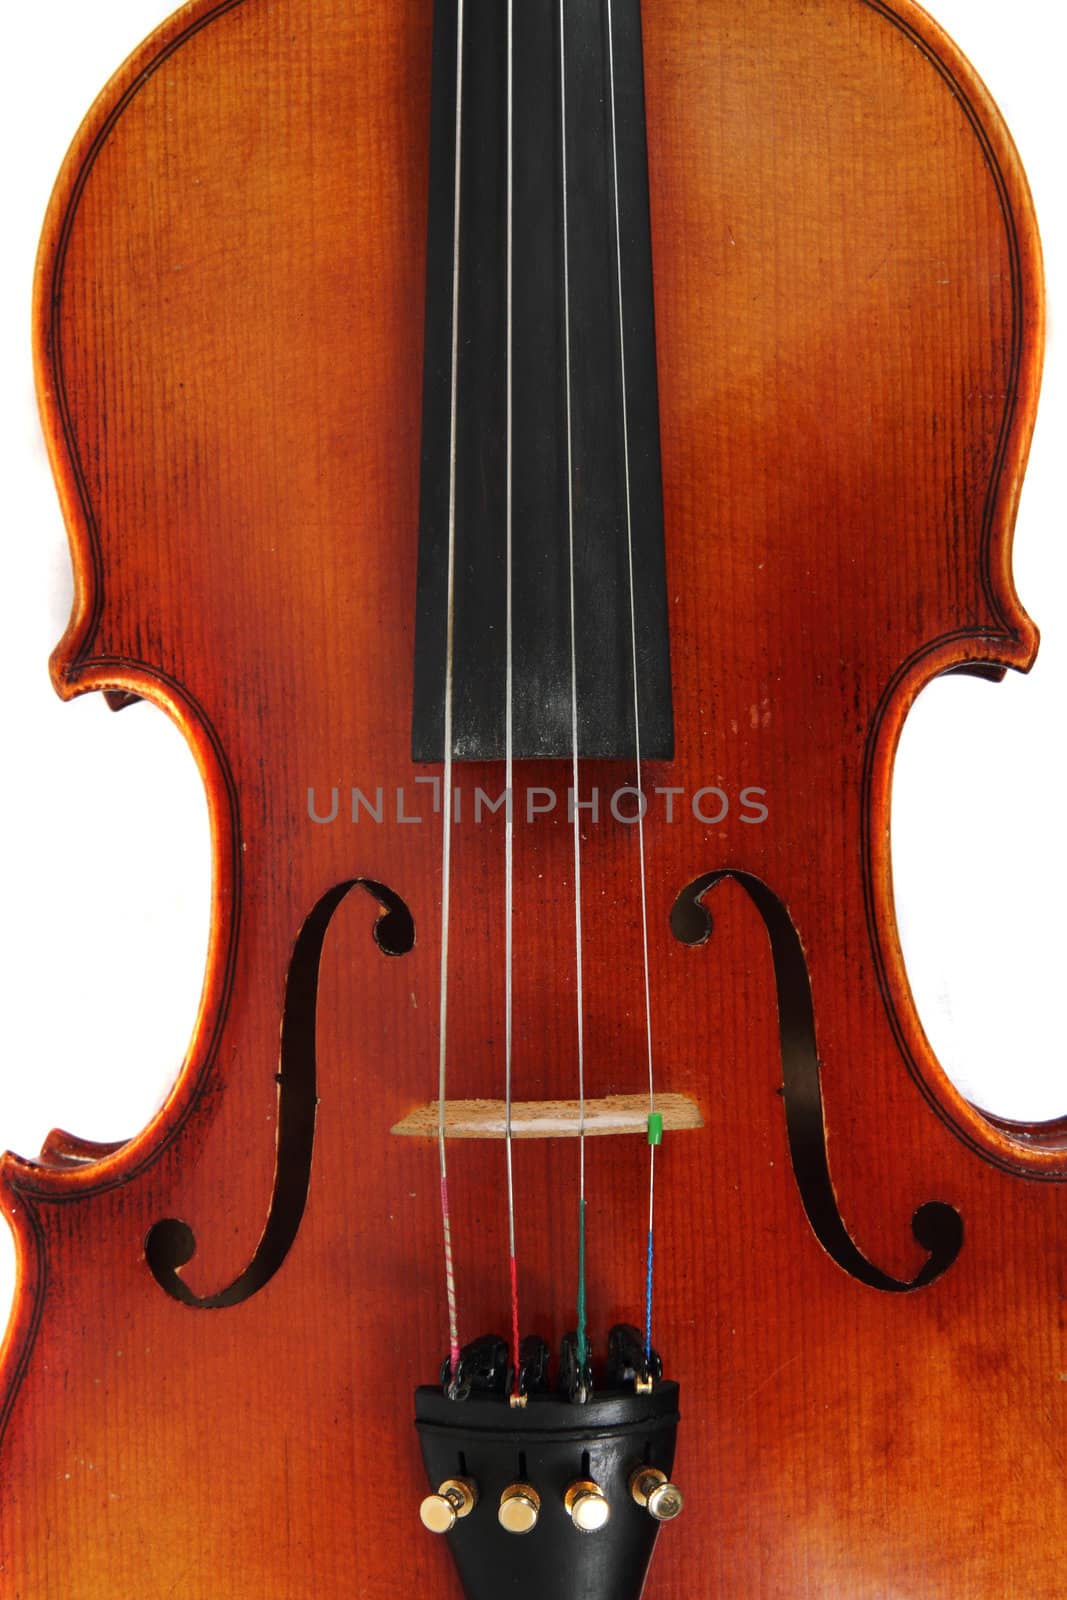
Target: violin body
x: 229, y: 326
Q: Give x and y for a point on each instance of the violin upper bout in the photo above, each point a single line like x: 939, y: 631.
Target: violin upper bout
x: 68, y: 257
x: 222, y: 342
x: 850, y: 324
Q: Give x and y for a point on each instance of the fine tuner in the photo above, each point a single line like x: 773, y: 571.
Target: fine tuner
x: 584, y: 1501
x: 455, y: 1498
x: 587, y: 1506
x: 520, y: 1508
x: 653, y: 1490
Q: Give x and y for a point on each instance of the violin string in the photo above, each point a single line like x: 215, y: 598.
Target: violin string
x: 637, y: 708
x: 582, y: 1342
x: 446, y: 783
x: 509, y: 734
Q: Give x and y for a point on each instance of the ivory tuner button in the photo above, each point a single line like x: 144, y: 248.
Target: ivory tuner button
x: 587, y: 1505
x: 456, y: 1498
x: 654, y: 1492
x: 520, y: 1508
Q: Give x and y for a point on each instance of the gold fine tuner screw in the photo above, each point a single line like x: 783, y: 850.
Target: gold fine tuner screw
x: 456, y: 1498
x: 587, y: 1505
x: 653, y: 1491
x: 520, y: 1507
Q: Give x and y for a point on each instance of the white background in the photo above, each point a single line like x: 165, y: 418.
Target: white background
x: 103, y: 834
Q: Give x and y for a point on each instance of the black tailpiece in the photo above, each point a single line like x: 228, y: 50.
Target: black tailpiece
x: 572, y: 1462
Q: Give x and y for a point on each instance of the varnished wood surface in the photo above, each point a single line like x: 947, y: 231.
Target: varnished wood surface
x: 849, y: 324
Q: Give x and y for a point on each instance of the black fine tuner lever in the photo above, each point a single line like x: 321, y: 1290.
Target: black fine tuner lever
x: 483, y: 1369
x: 575, y: 1377
x: 629, y: 1363
x: 533, y: 1368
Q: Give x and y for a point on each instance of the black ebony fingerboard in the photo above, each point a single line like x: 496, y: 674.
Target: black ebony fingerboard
x: 598, y: 479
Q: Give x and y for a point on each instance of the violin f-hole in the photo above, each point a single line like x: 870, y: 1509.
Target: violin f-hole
x: 171, y: 1243
x: 936, y: 1226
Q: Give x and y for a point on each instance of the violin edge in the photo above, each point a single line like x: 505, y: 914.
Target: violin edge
x: 74, y: 668
x: 1009, y: 642
x: 71, y: 653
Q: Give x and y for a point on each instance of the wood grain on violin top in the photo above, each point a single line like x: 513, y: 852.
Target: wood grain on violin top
x: 229, y: 331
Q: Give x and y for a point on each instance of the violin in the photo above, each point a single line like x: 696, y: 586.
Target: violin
x: 537, y: 454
